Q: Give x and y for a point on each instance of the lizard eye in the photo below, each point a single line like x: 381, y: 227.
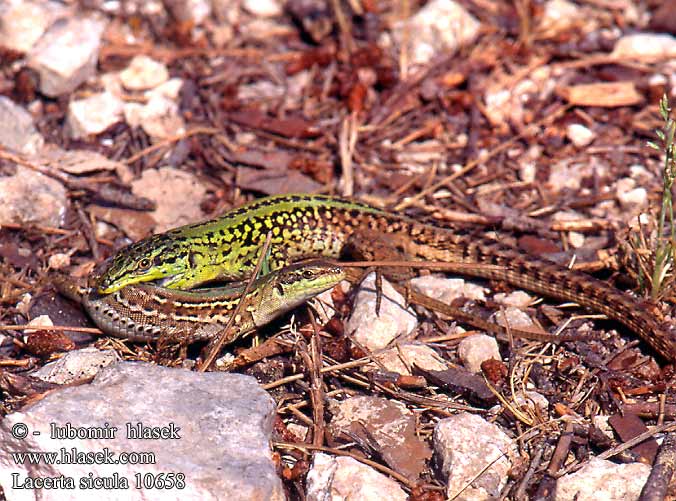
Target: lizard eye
x: 144, y: 264
x: 308, y: 274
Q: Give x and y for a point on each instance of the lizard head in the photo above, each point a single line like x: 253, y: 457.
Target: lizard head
x: 152, y: 259
x: 295, y: 284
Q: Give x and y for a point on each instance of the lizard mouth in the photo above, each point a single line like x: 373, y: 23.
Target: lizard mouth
x: 162, y: 282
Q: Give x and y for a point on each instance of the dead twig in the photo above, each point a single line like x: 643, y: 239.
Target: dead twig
x: 657, y: 485
x: 227, y: 331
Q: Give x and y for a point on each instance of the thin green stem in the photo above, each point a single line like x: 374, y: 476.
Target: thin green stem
x: 664, y: 251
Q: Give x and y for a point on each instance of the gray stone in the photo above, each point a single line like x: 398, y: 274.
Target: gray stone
x: 29, y: 197
x: 377, y: 331
x: 144, y: 73
x: 440, y: 26
x: 215, y: 430
x: 418, y: 355
x: 517, y: 299
x: 601, y: 422
x: 575, y: 239
x: 22, y: 23
x: 629, y: 196
x: 39, y: 321
x: 513, y: 318
x: 159, y: 116
x: 532, y: 402
x: 448, y: 289
x: 58, y: 261
x: 93, y: 114
x: 346, y: 479
x: 390, y: 426
x: 601, y: 479
x: 476, y: 349
x: 189, y: 11
x: 560, y: 16
x: 580, y: 135
x: 470, y: 450
x: 263, y: 8
x: 66, y: 54
x: 200, y: 10
x: 76, y: 365
x: 569, y: 174
x: 646, y: 47
x: 178, y: 195
x: 22, y: 136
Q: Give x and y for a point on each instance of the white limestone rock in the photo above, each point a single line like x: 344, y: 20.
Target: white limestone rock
x: 94, y: 114
x: 67, y: 53
x: 22, y: 136
x: 646, y: 47
x: 418, y: 355
x: 580, y: 135
x: 601, y: 479
x: 448, y: 289
x: 465, y: 445
x: 476, y: 349
x: 22, y: 22
x: 230, y: 411
x: 346, y: 479
x: 29, y: 197
x: 263, y: 8
x: 440, y: 26
x: 77, y: 365
x: 144, y: 73
x: 377, y: 331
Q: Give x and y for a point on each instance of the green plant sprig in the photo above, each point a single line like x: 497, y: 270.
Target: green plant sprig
x: 664, y: 249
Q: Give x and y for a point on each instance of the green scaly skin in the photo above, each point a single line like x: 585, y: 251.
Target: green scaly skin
x: 305, y: 226
x: 227, y: 248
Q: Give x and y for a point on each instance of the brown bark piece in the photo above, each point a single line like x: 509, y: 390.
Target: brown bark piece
x: 135, y: 224
x: 389, y: 427
x: 605, y: 94
x: 630, y: 426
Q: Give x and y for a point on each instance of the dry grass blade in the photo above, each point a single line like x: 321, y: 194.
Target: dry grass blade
x: 227, y: 331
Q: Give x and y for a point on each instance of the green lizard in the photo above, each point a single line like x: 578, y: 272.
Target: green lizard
x: 227, y: 248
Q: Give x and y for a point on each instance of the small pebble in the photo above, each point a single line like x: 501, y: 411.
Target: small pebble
x: 263, y: 8
x: 513, y: 318
x: 39, y: 322
x: 59, y: 261
x: 144, y: 73
x: 518, y: 299
x: 580, y: 135
x: 576, y: 239
x: 476, y: 349
x: 628, y: 195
